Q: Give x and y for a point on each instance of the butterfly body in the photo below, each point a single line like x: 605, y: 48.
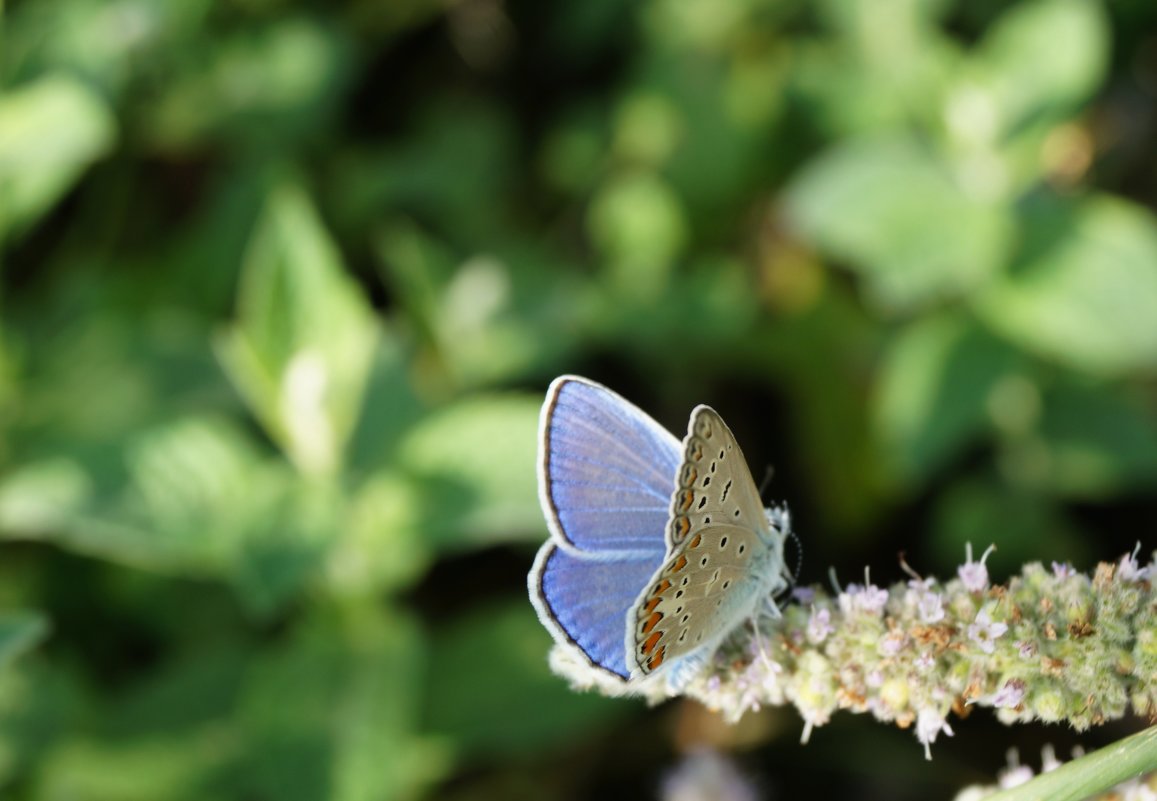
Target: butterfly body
x: 658, y: 549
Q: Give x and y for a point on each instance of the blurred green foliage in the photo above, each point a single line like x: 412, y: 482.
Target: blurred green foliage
x: 283, y: 283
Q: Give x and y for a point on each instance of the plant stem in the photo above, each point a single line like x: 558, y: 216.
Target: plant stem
x: 1091, y: 774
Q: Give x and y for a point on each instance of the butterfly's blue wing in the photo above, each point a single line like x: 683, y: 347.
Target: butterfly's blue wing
x: 606, y: 474
x: 584, y: 601
x: 606, y: 470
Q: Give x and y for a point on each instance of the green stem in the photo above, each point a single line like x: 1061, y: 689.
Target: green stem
x: 1091, y: 774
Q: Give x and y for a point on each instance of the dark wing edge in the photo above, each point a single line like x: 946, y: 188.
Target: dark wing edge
x: 549, y: 620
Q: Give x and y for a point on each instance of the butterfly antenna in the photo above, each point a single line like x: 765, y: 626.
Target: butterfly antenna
x: 768, y: 473
x: 760, y: 650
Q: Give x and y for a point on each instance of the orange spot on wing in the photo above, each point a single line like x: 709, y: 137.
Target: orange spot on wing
x: 679, y: 563
x: 695, y: 542
x: 681, y: 528
x: 657, y: 659
x: 686, y: 498
x: 649, y: 645
x: 652, y: 621
x: 651, y: 604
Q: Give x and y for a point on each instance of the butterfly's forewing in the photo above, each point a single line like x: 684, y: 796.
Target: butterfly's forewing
x: 606, y: 471
x: 717, y: 565
x: 713, y: 483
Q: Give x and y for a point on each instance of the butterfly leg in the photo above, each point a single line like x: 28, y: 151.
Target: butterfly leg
x: 757, y: 639
x: 771, y: 608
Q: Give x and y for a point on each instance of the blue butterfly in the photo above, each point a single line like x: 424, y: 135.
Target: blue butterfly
x: 658, y: 549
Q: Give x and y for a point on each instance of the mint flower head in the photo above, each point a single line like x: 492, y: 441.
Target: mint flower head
x: 1052, y: 644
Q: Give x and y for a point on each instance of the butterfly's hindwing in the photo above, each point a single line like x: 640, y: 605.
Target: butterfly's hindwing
x: 717, y: 560
x: 700, y: 594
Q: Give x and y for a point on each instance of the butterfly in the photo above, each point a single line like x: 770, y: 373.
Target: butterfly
x: 658, y: 548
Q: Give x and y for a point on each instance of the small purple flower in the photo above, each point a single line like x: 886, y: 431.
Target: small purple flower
x: 985, y: 631
x: 1014, y: 776
x: 1010, y: 695
x: 1048, y: 759
x: 872, y: 600
x: 930, y: 608
x: 1026, y: 649
x: 974, y: 575
x: 866, y: 600
x: 892, y: 642
x: 1129, y: 570
x: 929, y: 724
x: 869, y: 600
x: 1063, y: 570
x: 819, y: 625
x: 805, y: 595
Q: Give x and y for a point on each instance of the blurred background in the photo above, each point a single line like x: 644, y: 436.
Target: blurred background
x: 284, y: 282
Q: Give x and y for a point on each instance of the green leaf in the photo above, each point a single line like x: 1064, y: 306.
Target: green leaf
x: 1042, y: 58
x: 41, y: 497
x: 638, y: 224
x: 936, y: 386
x: 475, y: 462
x: 384, y: 542
x: 893, y: 213
x: 1095, y: 442
x: 266, y: 85
x: 197, y: 499
x: 481, y: 316
x: 162, y: 767
x: 1084, y: 289
x: 332, y: 713
x: 492, y: 666
x: 51, y: 131
x: 302, y: 347
x: 20, y: 632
